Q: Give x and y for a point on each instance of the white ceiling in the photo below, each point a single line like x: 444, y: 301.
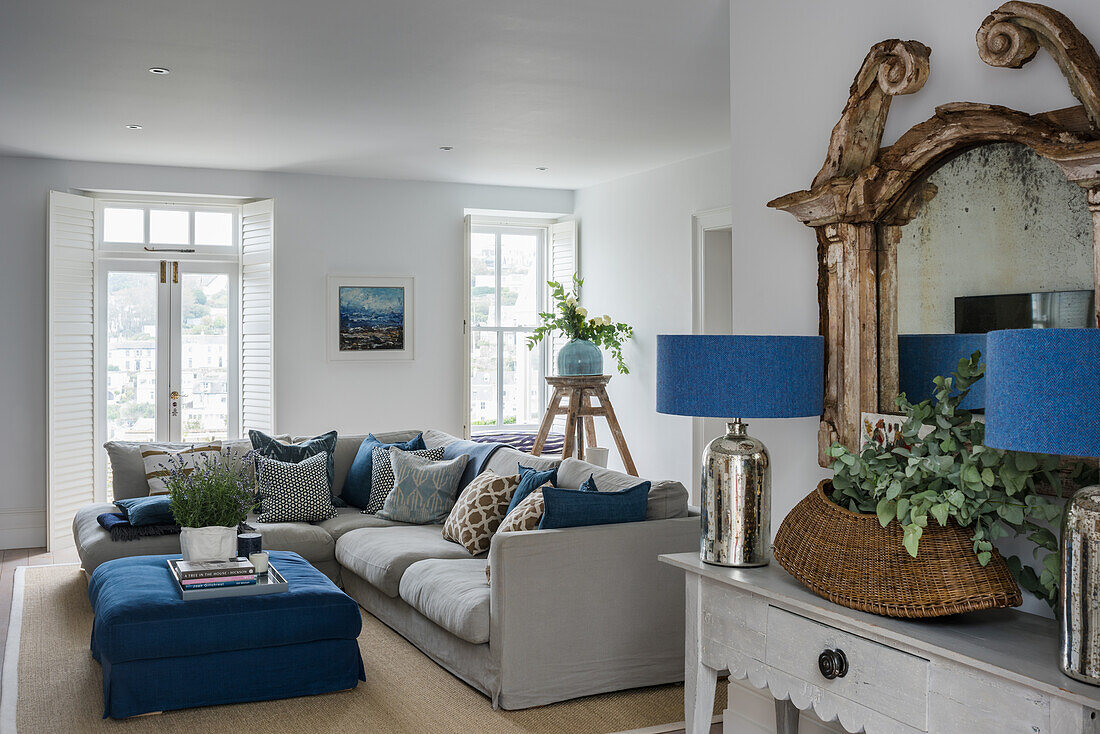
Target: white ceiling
x: 593, y: 89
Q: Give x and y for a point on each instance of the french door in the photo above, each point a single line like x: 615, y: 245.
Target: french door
x: 169, y: 349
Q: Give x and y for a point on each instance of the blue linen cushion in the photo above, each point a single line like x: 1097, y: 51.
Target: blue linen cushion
x: 423, y: 490
x: 153, y: 510
x: 530, y: 480
x: 572, y: 508
x: 358, y: 482
x: 589, y: 485
x: 295, y: 453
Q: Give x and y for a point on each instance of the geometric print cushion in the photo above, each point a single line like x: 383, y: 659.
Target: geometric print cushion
x: 527, y: 514
x: 160, y: 463
x: 479, y: 511
x: 381, y: 480
x: 423, y: 490
x: 294, y: 492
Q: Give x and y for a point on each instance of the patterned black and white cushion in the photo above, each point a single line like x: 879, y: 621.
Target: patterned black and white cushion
x: 381, y: 478
x: 294, y: 492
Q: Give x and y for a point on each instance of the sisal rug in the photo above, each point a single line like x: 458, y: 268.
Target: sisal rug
x: 58, y: 686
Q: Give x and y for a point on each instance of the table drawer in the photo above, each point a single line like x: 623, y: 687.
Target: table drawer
x: 881, y: 678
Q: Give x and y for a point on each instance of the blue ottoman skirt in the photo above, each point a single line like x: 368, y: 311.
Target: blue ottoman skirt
x: 159, y: 652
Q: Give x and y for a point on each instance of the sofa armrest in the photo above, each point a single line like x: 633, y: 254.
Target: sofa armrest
x: 585, y: 610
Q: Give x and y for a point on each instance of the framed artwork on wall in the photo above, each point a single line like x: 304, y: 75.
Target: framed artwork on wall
x: 369, y: 319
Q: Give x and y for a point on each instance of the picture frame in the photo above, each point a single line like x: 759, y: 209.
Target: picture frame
x: 369, y: 319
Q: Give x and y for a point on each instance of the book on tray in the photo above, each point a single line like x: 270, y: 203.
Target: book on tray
x: 213, y: 574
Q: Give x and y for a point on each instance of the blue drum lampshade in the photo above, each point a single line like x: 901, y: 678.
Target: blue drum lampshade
x: 1043, y: 391
x: 923, y: 357
x: 737, y: 376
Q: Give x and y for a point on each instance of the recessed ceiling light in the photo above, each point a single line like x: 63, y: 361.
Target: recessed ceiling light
x: 161, y: 70
x: 541, y: 168
x: 446, y: 147
x: 132, y: 127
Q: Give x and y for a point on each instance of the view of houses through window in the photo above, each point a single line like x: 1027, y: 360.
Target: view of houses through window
x: 506, y: 294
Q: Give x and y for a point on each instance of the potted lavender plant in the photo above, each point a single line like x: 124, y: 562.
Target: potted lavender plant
x: 209, y: 502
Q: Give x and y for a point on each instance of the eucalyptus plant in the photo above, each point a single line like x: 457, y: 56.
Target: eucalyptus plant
x: 570, y: 318
x: 941, y: 469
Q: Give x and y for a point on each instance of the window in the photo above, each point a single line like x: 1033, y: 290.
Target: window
x: 507, y: 292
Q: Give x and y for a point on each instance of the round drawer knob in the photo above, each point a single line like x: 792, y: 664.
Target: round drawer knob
x: 832, y: 664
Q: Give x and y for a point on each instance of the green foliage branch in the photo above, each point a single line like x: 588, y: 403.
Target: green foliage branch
x: 216, y: 492
x: 942, y: 470
x: 571, y: 319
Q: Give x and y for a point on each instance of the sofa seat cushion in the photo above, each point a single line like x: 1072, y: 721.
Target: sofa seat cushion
x: 381, y: 556
x: 311, y: 542
x: 451, y: 593
x: 350, y: 518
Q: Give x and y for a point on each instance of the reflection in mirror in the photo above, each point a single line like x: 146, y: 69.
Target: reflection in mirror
x: 1004, y: 243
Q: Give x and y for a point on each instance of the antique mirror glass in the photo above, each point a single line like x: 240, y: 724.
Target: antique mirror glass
x: 1005, y: 241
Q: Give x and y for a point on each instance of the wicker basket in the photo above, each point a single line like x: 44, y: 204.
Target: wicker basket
x: 850, y: 559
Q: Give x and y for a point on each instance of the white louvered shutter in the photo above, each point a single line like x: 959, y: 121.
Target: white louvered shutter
x: 257, y: 317
x: 71, y: 463
x: 563, y: 262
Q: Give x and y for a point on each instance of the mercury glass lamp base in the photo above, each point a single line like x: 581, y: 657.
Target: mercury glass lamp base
x: 736, y: 501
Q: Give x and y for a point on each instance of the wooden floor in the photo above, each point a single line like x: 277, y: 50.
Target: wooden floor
x: 11, y: 559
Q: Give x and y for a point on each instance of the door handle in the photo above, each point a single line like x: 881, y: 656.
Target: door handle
x: 174, y: 395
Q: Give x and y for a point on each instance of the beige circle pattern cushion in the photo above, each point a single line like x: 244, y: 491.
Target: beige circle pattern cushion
x: 527, y: 514
x: 479, y: 511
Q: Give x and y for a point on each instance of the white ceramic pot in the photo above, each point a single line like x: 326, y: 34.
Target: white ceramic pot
x: 213, y: 543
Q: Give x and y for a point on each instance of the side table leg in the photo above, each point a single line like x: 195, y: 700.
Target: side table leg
x: 699, y: 680
x: 786, y: 717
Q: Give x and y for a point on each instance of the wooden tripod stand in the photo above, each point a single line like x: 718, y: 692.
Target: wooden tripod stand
x: 580, y: 416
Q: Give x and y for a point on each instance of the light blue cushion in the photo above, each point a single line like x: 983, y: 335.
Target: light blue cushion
x: 356, y: 490
x: 530, y: 480
x: 423, y: 490
x: 571, y: 508
x: 155, y: 510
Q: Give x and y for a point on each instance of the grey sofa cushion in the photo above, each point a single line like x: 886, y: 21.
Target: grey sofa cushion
x: 667, y: 498
x: 350, y: 518
x: 451, y: 593
x: 382, y: 555
x: 311, y: 542
x: 504, y: 462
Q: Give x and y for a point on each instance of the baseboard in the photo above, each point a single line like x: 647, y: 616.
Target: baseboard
x: 9, y: 674
x: 751, y: 710
x: 22, y: 528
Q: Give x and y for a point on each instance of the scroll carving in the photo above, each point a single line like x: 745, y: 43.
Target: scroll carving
x: 892, y: 67
x: 1012, y: 34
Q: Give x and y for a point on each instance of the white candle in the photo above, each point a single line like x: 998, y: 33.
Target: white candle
x: 259, y: 560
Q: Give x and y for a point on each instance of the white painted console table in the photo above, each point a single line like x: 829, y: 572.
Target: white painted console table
x: 990, y: 672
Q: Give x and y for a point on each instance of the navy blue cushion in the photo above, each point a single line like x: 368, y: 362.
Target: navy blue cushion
x: 296, y: 453
x: 571, y: 508
x: 589, y: 485
x: 153, y: 510
x: 530, y: 480
x: 140, y: 615
x: 357, y: 484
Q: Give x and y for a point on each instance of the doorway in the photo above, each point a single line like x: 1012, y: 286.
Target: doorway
x: 712, y: 309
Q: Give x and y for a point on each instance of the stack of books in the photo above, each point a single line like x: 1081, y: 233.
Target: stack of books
x: 214, y: 574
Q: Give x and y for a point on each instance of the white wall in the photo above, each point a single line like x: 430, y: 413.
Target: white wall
x: 324, y: 225
x: 635, y: 235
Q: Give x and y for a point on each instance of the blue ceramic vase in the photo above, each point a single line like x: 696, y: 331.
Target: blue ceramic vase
x: 580, y: 357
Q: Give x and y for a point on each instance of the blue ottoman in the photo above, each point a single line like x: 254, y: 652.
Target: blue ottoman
x: 159, y: 652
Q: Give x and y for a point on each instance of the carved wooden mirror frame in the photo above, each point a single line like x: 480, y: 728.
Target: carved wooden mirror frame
x: 863, y: 194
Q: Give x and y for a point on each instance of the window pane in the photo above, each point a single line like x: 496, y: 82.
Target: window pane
x: 123, y: 225
x: 204, y: 384
x: 483, y: 279
x: 483, y: 379
x: 131, y: 356
x: 519, y: 286
x: 521, y: 381
x: 169, y: 227
x: 214, y: 228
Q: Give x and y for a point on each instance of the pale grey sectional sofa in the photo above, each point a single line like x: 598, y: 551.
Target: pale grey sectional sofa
x: 568, y: 613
